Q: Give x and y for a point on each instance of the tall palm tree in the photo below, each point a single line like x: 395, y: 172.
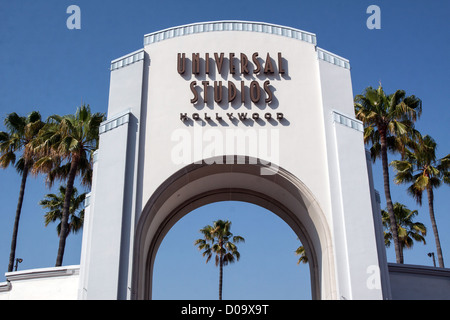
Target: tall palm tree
x: 387, y: 119
x: 218, y: 240
x: 424, y: 172
x: 69, y: 142
x: 55, y: 204
x: 17, y: 142
x: 408, y: 230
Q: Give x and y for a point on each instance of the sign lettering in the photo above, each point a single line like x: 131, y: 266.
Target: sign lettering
x: 211, y: 90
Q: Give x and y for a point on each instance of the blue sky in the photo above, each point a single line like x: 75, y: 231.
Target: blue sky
x: 46, y: 67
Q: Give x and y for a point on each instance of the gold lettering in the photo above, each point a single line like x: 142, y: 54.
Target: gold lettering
x: 195, y: 63
x: 181, y: 63
x: 194, y: 91
x: 231, y: 91
x: 280, y: 64
x: 232, y: 68
x: 256, y: 62
x: 255, y: 91
x: 205, y: 91
x: 219, y: 62
x: 218, y: 92
x: 207, y: 63
x: 268, y: 91
x: 244, y: 62
x: 268, y: 68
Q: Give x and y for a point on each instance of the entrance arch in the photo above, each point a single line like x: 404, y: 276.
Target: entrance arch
x: 200, y: 184
x: 323, y: 189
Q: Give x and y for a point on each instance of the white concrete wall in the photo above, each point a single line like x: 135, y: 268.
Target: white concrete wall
x: 135, y: 159
x: 408, y: 282
x: 41, y: 284
x: 350, y: 191
x: 302, y: 148
x: 110, y: 216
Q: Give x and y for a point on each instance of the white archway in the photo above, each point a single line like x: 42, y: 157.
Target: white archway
x: 200, y: 184
x: 323, y: 190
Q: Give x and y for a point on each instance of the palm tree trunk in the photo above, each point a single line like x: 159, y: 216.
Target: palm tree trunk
x: 220, y: 277
x: 12, y: 255
x: 65, y: 215
x: 434, y: 225
x: 387, y: 192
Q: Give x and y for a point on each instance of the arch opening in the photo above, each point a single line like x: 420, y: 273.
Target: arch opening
x: 267, y: 269
x: 199, y: 184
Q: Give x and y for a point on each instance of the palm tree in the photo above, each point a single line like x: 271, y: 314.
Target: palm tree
x: 421, y: 168
x: 387, y: 120
x: 218, y: 240
x: 22, y: 132
x: 408, y: 230
x: 301, y: 252
x: 55, y: 204
x: 69, y: 142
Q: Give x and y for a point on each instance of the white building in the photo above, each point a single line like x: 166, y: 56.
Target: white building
x: 232, y: 110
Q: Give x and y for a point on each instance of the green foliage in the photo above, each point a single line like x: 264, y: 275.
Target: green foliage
x: 67, y: 138
x: 19, y: 140
x: 388, y: 125
x: 420, y: 168
x: 218, y: 240
x: 387, y: 117
x: 55, y: 203
x: 67, y: 144
x: 302, y: 253
x: 408, y: 230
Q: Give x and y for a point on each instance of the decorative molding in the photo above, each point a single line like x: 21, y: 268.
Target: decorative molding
x: 42, y: 273
x: 418, y: 270
x: 87, y: 200
x: 348, y: 122
x: 127, y: 60
x: 333, y: 58
x: 115, y: 122
x: 217, y: 26
x: 212, y: 26
x: 5, y: 286
x: 95, y: 156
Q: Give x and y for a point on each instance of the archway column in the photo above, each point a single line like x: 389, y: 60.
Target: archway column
x: 110, y: 215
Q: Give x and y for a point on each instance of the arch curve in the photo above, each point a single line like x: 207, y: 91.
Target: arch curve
x: 217, y: 180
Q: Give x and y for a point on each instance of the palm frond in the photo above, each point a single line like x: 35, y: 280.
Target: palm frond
x: 55, y: 204
x: 218, y: 240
